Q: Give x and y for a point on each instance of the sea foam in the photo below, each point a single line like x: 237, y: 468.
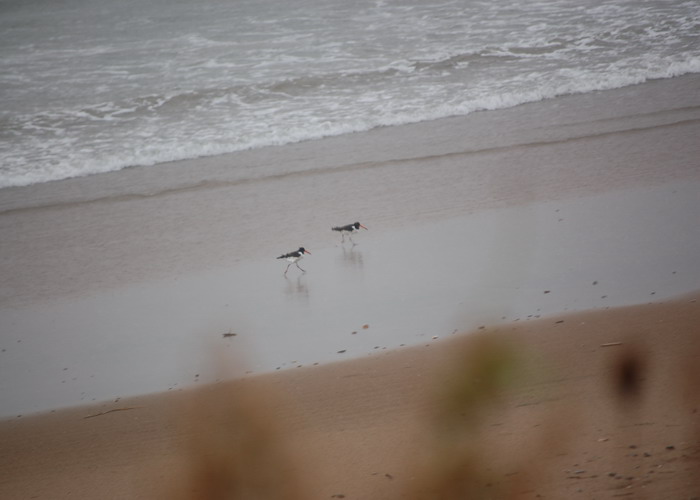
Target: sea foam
x: 140, y: 88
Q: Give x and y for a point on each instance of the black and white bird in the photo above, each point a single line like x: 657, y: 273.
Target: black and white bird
x: 294, y: 258
x: 349, y: 229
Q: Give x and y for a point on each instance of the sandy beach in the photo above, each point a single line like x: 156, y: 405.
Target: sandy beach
x: 594, y: 405
x: 520, y: 320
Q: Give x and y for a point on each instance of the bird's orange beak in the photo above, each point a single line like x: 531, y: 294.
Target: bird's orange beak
x: 306, y: 251
x: 363, y: 227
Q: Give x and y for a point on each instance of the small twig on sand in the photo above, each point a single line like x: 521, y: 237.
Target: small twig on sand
x: 610, y: 344
x: 112, y: 410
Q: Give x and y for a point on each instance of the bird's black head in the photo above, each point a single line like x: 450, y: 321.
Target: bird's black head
x: 357, y: 226
x: 303, y: 250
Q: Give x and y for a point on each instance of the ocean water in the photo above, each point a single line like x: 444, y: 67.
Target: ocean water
x: 90, y: 86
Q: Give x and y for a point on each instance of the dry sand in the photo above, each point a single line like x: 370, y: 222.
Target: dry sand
x: 589, y: 405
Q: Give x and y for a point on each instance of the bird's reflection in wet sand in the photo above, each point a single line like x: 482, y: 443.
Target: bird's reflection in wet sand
x: 296, y: 288
x: 352, y: 258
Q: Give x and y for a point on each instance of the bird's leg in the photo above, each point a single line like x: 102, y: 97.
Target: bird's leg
x: 302, y: 270
x: 285, y: 271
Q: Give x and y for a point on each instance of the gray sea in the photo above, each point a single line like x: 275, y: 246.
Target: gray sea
x: 90, y: 86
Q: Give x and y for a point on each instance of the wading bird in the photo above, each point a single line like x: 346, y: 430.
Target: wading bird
x: 294, y: 257
x: 349, y: 229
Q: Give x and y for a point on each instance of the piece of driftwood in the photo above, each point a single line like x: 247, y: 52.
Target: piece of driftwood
x: 112, y: 410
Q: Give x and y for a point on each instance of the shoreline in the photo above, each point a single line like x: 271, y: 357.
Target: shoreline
x: 644, y: 103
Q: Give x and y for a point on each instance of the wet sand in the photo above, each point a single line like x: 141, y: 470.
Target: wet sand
x: 139, y: 282
x: 471, y: 219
